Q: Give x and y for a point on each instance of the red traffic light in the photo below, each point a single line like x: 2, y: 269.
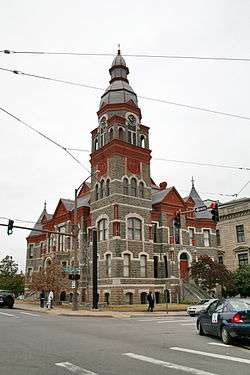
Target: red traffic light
x: 214, y: 205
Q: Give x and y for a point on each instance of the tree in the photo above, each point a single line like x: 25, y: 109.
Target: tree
x: 9, y: 278
x: 8, y: 266
x: 242, y: 280
x: 51, y: 278
x: 209, y: 273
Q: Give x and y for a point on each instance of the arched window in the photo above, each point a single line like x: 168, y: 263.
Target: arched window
x: 142, y: 141
x: 134, y: 229
x: 101, y: 189
x: 143, y: 298
x: 107, y: 187
x: 106, y: 298
x: 111, y: 134
x: 155, y: 267
x: 125, y: 186
x: 121, y: 134
x: 126, y: 265
x: 165, y: 265
x: 143, y: 265
x: 108, y: 265
x: 102, y: 137
x: 141, y: 190
x: 133, y: 187
x: 96, y: 144
x: 103, y: 230
x: 96, y: 192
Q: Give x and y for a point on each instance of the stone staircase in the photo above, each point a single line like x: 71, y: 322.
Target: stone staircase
x: 191, y: 292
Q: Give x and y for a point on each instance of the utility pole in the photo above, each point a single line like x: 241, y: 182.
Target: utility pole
x: 75, y: 238
x: 94, y: 264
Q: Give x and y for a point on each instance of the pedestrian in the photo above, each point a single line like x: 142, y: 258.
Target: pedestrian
x: 42, y: 298
x: 151, y: 301
x: 50, y: 300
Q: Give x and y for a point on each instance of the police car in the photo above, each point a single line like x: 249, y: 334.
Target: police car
x: 228, y: 319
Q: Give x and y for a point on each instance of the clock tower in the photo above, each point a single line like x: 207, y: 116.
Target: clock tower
x: 120, y: 201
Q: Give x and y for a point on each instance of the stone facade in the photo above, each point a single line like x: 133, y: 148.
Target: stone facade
x: 140, y: 245
x: 234, y: 231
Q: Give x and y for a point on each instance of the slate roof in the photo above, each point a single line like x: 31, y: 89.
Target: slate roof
x: 160, y: 195
x: 199, y: 203
x: 83, y: 201
x: 38, y: 224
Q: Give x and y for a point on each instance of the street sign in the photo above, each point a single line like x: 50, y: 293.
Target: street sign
x: 73, y: 285
x: 71, y: 269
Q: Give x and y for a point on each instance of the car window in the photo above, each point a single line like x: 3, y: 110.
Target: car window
x: 239, y: 304
x: 219, y: 307
x: 212, y: 307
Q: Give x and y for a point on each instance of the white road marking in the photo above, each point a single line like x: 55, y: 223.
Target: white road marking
x: 26, y: 313
x: 173, y: 321
x: 188, y: 324
x: 6, y: 314
x: 219, y: 356
x: 220, y: 344
x: 168, y: 364
x: 75, y: 369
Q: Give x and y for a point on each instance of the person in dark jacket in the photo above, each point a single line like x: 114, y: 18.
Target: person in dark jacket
x: 151, y: 301
x: 42, y: 298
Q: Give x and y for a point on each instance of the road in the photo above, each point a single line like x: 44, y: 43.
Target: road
x: 37, y: 343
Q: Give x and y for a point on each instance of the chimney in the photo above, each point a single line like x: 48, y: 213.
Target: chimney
x: 163, y: 185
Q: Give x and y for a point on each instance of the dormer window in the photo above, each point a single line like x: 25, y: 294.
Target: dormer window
x: 132, y: 120
x: 103, y: 121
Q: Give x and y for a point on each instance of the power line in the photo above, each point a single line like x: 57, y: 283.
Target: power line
x: 44, y: 136
x: 18, y: 220
x: 18, y: 72
x: 242, y: 188
x: 199, y: 164
x: 174, y: 57
x: 206, y: 192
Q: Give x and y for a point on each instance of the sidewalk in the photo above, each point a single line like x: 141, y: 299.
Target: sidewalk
x: 61, y: 311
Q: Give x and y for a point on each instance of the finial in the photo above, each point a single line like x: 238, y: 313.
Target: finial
x: 119, y: 49
x: 45, y: 204
x: 192, y: 181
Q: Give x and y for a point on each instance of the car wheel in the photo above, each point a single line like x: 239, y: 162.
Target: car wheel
x: 225, y: 336
x: 9, y: 302
x: 200, y: 329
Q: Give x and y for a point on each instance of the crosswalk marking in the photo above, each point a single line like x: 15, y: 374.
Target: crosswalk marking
x: 188, y: 324
x: 173, y: 321
x: 168, y: 364
x: 219, y: 356
x: 75, y: 369
x: 6, y: 314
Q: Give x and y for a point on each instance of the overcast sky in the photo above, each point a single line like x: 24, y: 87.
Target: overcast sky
x: 33, y: 170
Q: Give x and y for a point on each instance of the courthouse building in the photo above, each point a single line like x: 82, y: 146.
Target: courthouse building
x: 140, y: 247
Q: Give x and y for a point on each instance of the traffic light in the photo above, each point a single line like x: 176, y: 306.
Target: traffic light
x: 214, y: 211
x: 10, y: 227
x: 177, y: 220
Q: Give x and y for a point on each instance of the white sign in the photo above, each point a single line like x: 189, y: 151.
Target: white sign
x: 73, y: 284
x: 215, y: 318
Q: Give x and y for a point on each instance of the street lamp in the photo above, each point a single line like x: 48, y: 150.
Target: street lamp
x: 75, y: 236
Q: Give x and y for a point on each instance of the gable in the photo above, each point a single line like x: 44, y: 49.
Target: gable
x: 173, y: 198
x: 60, y: 209
x: 85, y: 189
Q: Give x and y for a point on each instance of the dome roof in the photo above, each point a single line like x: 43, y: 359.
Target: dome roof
x: 119, y: 90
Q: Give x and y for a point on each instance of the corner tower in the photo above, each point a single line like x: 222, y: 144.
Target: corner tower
x: 121, y: 192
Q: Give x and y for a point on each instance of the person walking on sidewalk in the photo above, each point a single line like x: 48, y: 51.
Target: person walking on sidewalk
x: 42, y: 298
x: 151, y: 301
x: 50, y: 300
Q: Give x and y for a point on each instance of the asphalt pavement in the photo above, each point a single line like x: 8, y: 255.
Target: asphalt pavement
x: 38, y: 343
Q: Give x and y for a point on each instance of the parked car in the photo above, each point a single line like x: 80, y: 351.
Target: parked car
x: 7, y: 298
x: 201, y: 306
x: 228, y: 319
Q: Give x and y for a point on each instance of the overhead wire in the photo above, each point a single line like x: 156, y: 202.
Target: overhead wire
x: 174, y: 57
x: 45, y: 136
x: 18, y: 220
x: 237, y: 194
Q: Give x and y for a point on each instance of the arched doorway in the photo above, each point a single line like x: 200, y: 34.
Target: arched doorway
x: 143, y: 298
x: 63, y: 296
x: 106, y: 298
x: 184, y: 269
x: 129, y: 298
x: 157, y: 297
x: 167, y: 296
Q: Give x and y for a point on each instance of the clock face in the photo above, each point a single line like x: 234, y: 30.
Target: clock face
x: 103, y: 121
x: 132, y: 120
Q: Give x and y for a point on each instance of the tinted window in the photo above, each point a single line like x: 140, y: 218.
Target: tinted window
x: 212, y: 307
x: 240, y: 304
